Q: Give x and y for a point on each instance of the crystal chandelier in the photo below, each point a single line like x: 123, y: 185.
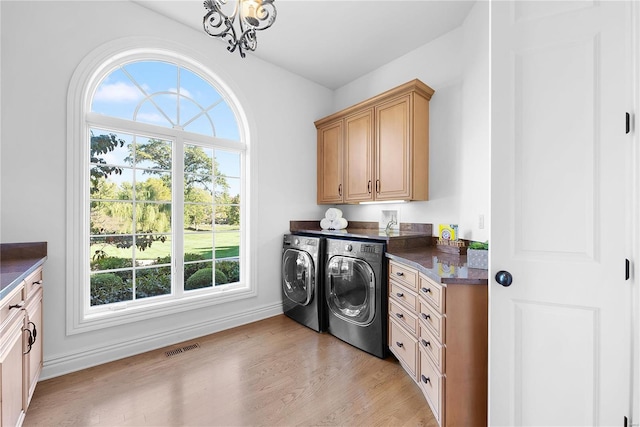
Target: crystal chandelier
x: 253, y: 15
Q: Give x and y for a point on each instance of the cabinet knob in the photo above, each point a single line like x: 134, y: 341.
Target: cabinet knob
x: 425, y: 380
x: 399, y: 315
x: 426, y: 343
x: 426, y: 290
x: 425, y: 316
x: 399, y: 273
x: 400, y: 294
x: 399, y: 344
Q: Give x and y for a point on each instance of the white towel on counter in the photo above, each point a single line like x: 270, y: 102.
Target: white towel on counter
x: 333, y: 224
x: 333, y: 213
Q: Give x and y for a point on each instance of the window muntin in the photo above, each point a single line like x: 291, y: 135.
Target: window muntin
x: 136, y: 241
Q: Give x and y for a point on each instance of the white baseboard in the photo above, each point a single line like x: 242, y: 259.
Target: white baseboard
x: 62, y: 364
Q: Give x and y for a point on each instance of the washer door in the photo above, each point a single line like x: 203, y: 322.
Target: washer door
x: 351, y: 289
x: 297, y: 276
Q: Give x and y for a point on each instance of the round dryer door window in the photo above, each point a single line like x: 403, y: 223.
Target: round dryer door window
x: 351, y: 289
x: 297, y: 276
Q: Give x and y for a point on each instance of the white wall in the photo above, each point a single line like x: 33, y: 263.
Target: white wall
x: 42, y: 44
x: 456, y: 66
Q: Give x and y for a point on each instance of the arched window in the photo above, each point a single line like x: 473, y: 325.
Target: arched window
x: 159, y: 205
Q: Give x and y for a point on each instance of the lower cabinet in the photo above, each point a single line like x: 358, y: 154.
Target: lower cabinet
x: 439, y: 334
x: 20, y: 348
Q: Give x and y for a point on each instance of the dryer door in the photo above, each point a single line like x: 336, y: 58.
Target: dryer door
x: 297, y: 276
x: 350, y: 290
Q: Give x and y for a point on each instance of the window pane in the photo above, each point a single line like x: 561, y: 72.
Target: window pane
x: 153, y: 153
x: 153, y: 217
x: 227, y: 244
x: 198, y: 188
x: 198, y: 275
x: 227, y: 271
x: 198, y: 160
x: 198, y: 246
x: 107, y: 288
x: 117, y: 96
x: 197, y: 89
x: 227, y: 163
x: 149, y: 113
x: 153, y: 76
x: 109, y: 148
x: 110, y: 252
x: 111, y: 217
x: 153, y: 249
x: 151, y: 282
x: 153, y: 186
x: 225, y: 122
x: 197, y: 217
x: 227, y: 217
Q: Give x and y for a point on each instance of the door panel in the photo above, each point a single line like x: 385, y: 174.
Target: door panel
x: 560, y: 334
x: 297, y: 276
x: 330, y: 163
x: 393, y: 153
x: 359, y: 157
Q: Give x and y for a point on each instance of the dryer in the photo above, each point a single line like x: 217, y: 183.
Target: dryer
x: 355, y: 291
x: 302, y: 261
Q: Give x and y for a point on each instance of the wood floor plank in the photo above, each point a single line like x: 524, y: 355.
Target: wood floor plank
x: 269, y: 373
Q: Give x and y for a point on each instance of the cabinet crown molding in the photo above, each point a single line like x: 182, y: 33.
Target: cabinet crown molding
x: 414, y: 85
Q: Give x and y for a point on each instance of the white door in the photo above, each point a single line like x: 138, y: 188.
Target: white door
x: 560, y: 349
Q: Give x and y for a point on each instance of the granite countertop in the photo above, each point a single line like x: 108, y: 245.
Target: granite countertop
x: 413, y: 245
x: 407, y: 236
x: 440, y: 266
x: 17, y: 261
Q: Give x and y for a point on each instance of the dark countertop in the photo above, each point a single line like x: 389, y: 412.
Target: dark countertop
x: 408, y: 235
x: 17, y: 261
x: 413, y: 245
x: 440, y: 266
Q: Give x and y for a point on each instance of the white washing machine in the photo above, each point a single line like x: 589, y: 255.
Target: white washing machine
x: 355, y: 293
x: 302, y: 260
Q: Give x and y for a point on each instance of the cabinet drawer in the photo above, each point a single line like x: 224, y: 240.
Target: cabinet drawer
x: 433, y: 320
x: 32, y: 283
x: 432, y: 347
x: 404, y: 346
x: 404, y: 275
x: 13, y: 299
x: 432, y: 385
x: 433, y: 293
x: 405, y: 297
x: 404, y: 317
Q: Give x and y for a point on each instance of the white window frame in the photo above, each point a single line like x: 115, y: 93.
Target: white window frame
x: 80, y: 317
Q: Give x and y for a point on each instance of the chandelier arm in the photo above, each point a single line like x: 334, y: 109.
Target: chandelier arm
x: 253, y: 15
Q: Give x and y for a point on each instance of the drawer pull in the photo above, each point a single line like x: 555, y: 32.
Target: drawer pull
x: 37, y: 282
x: 399, y: 273
x: 425, y: 316
x: 425, y: 380
x: 426, y: 290
x: 15, y: 306
x: 426, y: 343
x: 399, y: 344
x: 400, y: 294
x: 399, y: 315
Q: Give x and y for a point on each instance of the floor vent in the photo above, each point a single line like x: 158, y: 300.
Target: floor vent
x: 181, y: 350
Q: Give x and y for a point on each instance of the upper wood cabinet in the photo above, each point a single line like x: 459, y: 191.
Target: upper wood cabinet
x: 377, y: 149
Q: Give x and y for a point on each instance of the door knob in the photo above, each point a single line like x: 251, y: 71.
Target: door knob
x: 504, y: 278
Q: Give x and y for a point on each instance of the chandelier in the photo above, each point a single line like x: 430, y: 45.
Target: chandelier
x: 253, y: 15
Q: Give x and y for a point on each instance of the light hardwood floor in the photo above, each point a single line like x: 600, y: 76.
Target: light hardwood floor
x: 274, y: 372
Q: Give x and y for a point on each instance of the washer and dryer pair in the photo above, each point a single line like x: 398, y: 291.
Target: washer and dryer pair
x: 337, y: 286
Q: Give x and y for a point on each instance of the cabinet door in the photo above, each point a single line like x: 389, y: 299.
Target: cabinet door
x: 11, y: 396
x: 359, y: 157
x: 330, y: 146
x: 393, y: 150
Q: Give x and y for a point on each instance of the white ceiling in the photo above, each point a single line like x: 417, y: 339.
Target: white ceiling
x: 333, y: 42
